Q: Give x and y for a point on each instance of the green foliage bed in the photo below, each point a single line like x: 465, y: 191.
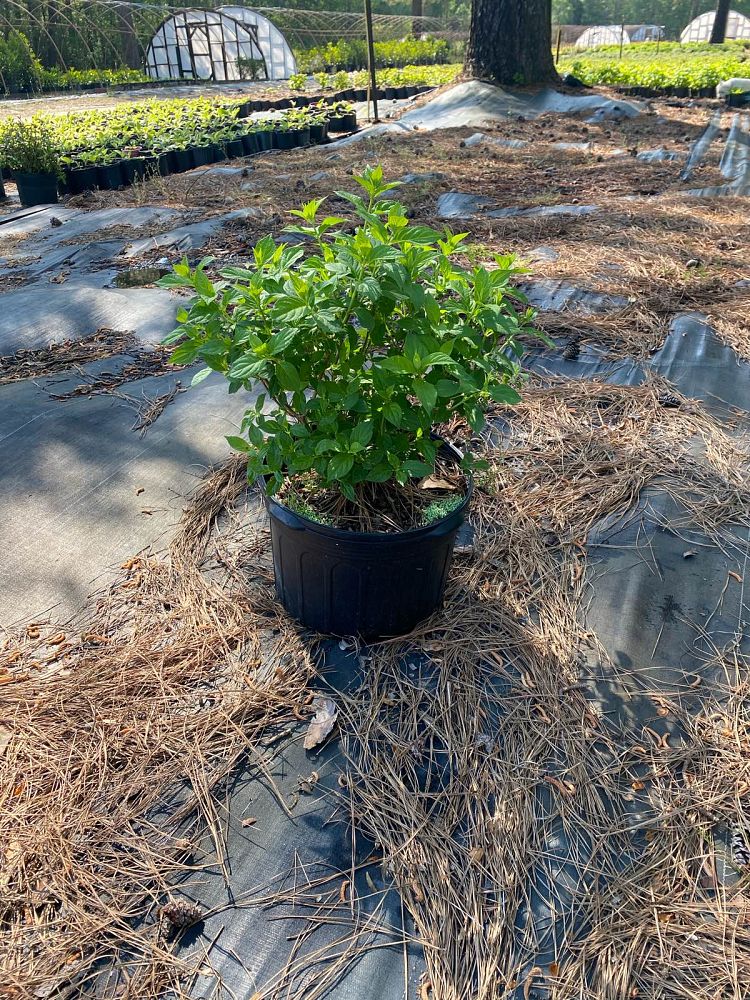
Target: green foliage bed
x: 672, y: 66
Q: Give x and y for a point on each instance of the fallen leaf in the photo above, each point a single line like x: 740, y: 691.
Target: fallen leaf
x: 690, y: 553
x: 434, y: 483
x: 735, y: 576
x: 476, y: 855
x: 322, y: 722
x: 141, y: 489
x: 343, y: 890
x: 425, y: 988
x: 249, y: 821
x: 533, y: 973
x: 637, y: 786
x: 416, y: 891
x: 371, y: 885
x: 554, y: 968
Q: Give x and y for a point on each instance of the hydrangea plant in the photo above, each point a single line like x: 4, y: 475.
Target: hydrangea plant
x: 358, y: 340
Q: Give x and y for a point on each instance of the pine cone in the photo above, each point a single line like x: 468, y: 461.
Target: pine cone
x: 181, y: 912
x: 740, y: 850
x: 572, y: 351
x: 670, y: 402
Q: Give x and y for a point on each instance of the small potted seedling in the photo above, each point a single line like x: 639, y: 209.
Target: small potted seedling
x: 356, y: 346
x: 342, y: 117
x: 29, y: 149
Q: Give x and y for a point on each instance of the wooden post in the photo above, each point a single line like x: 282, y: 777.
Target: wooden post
x: 371, y: 60
x: 622, y: 39
x: 559, y: 42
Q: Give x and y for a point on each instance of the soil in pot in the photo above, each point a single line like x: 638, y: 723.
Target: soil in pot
x: 374, y: 583
x: 109, y: 177
x: 36, y: 189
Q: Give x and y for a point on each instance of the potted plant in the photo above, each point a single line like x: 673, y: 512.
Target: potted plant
x: 361, y: 342
x: 29, y: 149
x: 342, y: 117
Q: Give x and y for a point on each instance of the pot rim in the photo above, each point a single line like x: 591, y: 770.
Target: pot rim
x: 366, y: 536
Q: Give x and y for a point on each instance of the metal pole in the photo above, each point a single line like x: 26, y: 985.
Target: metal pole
x: 371, y: 60
x: 559, y: 41
x: 622, y: 39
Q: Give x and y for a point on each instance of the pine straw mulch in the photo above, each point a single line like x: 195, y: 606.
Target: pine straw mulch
x: 520, y: 821
x: 487, y: 771
x: 117, y: 730
x: 57, y: 358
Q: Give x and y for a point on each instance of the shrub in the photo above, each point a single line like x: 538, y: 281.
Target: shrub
x: 362, y: 343
x: 29, y: 147
x: 351, y: 54
x: 19, y: 67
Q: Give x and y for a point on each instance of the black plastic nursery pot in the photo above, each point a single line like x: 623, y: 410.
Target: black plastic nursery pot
x: 235, y: 149
x: 180, y: 160
x: 202, y: 155
x: 343, y: 123
x: 250, y: 143
x: 265, y: 140
x: 292, y: 138
x: 738, y: 100
x: 109, y: 177
x: 36, y: 189
x: 374, y: 585
x: 163, y: 165
x: 319, y: 133
x: 81, y: 179
x: 133, y: 169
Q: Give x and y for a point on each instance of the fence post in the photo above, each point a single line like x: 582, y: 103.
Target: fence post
x: 371, y: 60
x: 622, y: 39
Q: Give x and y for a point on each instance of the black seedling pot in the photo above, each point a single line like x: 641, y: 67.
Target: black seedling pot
x: 220, y: 152
x: 245, y: 110
x: 203, y: 155
x: 82, y: 179
x: 373, y: 585
x: 265, y: 140
x: 163, y: 165
x: 390, y: 93
x: 738, y: 100
x: 344, y: 123
x: 36, y: 189
x: 109, y: 177
x: 250, y: 143
x: 151, y: 164
x: 235, y: 149
x: 180, y: 160
x: 318, y: 133
x: 133, y: 169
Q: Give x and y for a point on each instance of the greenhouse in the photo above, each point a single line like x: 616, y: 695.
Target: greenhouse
x: 699, y: 29
x: 231, y: 43
x: 602, y: 34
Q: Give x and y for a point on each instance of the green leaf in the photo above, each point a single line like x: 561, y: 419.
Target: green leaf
x: 238, y: 443
x: 281, y: 340
x: 248, y: 367
x: 185, y: 354
x: 339, y: 466
x: 426, y: 393
x: 393, y: 413
x: 397, y: 363
x: 288, y: 376
x: 504, y: 394
x: 418, y: 469
x: 362, y: 433
x: 200, y: 376
x: 203, y: 285
x: 348, y: 490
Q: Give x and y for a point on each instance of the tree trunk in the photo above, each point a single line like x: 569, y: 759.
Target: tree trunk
x: 510, y: 42
x: 719, y: 30
x: 417, y: 13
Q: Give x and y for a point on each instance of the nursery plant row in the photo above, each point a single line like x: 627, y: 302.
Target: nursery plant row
x: 111, y: 148
x: 678, y: 70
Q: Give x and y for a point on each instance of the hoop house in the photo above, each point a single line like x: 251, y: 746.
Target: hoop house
x: 210, y: 45
x: 699, y: 30
x: 646, y: 33
x: 602, y: 34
